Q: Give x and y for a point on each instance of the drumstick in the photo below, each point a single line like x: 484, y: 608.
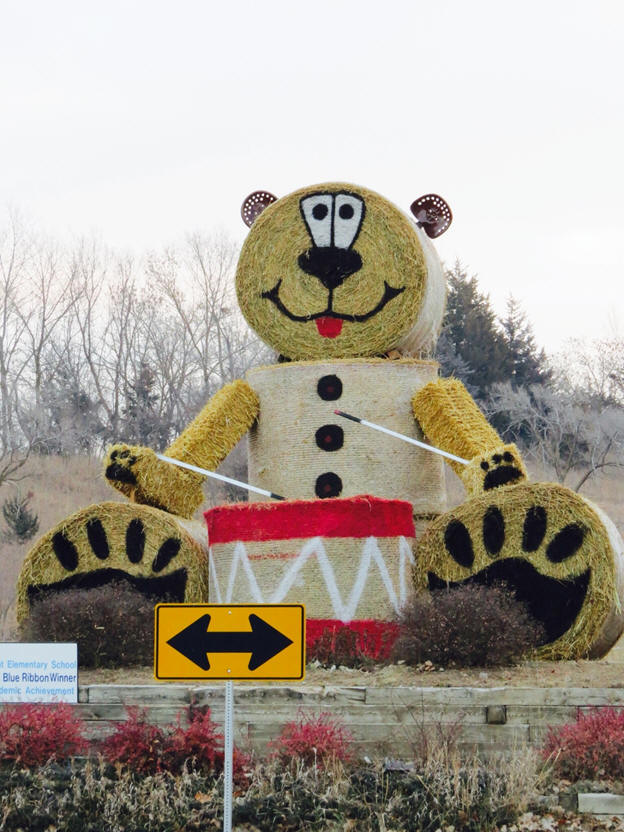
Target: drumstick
x: 402, y: 436
x: 216, y: 476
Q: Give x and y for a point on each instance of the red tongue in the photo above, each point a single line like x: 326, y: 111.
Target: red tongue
x: 329, y: 327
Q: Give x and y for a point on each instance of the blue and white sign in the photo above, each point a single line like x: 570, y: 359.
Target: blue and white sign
x: 38, y: 672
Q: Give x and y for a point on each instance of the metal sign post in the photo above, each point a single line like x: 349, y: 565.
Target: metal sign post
x: 229, y: 641
x: 228, y: 760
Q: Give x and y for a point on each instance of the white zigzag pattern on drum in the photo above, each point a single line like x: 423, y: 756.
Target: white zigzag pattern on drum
x: 342, y: 611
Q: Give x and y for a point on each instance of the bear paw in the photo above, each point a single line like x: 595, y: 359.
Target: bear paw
x: 554, y: 551
x: 119, y: 471
x: 500, y: 466
x: 143, y: 478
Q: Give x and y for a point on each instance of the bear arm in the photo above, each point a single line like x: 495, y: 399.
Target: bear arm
x: 451, y: 420
x: 143, y: 478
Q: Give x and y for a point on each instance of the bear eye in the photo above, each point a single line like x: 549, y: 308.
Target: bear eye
x: 348, y: 219
x: 317, y: 213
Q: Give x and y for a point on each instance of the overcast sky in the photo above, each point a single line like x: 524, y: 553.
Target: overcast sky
x: 141, y: 121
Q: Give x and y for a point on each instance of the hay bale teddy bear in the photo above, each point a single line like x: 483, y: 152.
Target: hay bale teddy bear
x: 349, y: 292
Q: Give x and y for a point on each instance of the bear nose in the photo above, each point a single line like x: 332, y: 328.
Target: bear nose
x: 330, y: 264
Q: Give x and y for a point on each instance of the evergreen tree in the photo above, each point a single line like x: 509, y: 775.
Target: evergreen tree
x: 141, y: 417
x: 451, y: 363
x: 470, y: 326
x: 21, y: 522
x: 525, y: 364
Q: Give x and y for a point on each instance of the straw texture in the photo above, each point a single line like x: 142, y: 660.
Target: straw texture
x: 205, y: 442
x: 556, y: 532
x: 160, y: 554
x: 337, y: 577
x: 287, y: 452
x: 391, y: 254
x: 452, y: 421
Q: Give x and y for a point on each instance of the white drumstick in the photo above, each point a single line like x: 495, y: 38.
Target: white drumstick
x: 216, y: 476
x: 402, y: 436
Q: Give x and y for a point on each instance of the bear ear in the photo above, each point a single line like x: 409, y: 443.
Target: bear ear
x: 254, y: 205
x: 432, y: 213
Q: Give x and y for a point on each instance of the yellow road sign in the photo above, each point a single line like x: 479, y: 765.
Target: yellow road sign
x: 229, y: 641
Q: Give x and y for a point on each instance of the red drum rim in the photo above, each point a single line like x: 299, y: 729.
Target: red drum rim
x: 354, y: 517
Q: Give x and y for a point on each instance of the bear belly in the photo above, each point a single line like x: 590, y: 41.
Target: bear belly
x: 299, y: 448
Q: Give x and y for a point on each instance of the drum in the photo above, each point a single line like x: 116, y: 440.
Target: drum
x: 348, y: 560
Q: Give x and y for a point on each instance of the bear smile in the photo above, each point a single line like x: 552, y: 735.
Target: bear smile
x: 328, y: 322
x: 554, y: 603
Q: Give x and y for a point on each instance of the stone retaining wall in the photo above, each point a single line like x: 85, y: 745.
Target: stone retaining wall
x: 386, y: 720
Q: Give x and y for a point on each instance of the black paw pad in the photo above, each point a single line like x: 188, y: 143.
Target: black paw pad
x: 119, y: 473
x: 135, y: 540
x: 459, y: 543
x: 534, y: 528
x: 97, y: 538
x: 166, y: 553
x: 501, y: 469
x: 65, y: 551
x: 565, y: 543
x: 493, y: 530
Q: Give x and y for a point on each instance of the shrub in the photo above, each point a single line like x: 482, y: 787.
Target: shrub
x: 198, y: 743
x: 590, y: 748
x: 34, y: 734
x: 146, y: 749
x: 467, y: 626
x: 20, y: 520
x: 358, y: 644
x: 112, y: 624
x: 135, y: 743
x: 314, y: 740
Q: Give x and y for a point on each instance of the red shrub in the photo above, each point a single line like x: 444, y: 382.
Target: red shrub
x: 199, y: 742
x: 314, y: 740
x: 135, y: 743
x: 33, y: 734
x: 356, y: 644
x: 590, y: 748
x: 147, y: 749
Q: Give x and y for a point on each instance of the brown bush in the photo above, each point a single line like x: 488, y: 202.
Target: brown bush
x: 113, y: 624
x: 466, y: 626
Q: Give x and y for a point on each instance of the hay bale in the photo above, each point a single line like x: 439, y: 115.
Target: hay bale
x: 298, y: 440
x: 559, y: 553
x: 451, y: 420
x: 205, y: 442
x: 157, y: 553
x: 345, y: 559
x: 393, y: 253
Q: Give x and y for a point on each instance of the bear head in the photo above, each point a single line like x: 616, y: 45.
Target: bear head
x: 338, y: 271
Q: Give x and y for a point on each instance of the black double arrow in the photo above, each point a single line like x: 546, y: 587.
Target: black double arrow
x: 262, y: 641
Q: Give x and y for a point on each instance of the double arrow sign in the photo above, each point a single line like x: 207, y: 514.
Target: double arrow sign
x: 230, y: 641
x: 263, y: 642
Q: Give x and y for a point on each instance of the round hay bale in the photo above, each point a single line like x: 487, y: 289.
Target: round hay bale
x: 556, y: 551
x: 389, y: 291
x: 345, y: 559
x: 298, y: 444
x: 157, y: 553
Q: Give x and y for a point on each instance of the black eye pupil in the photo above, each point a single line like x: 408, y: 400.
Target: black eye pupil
x: 319, y: 212
x: 346, y: 212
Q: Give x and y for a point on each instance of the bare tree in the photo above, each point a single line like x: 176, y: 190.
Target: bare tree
x: 197, y: 285
x: 596, y: 367
x: 15, y: 253
x: 565, y: 430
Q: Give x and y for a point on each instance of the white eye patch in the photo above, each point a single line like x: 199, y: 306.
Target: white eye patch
x: 333, y: 219
x: 348, y: 216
